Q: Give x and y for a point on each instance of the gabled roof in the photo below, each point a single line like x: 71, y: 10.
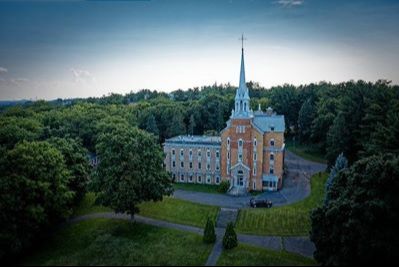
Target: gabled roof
x: 265, y: 122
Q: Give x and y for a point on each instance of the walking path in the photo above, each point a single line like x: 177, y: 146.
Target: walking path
x: 299, y: 245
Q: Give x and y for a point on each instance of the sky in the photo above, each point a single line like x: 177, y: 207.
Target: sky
x: 64, y: 49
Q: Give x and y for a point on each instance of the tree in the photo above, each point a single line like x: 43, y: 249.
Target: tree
x: 230, y: 237
x: 306, y: 116
x: 209, y: 232
x: 341, y: 163
x: 224, y: 186
x: 17, y: 129
x: 130, y: 169
x: 191, y: 125
x: 76, y: 160
x: 359, y: 223
x: 34, y: 194
x: 151, y: 125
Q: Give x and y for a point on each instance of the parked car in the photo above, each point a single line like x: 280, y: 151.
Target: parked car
x: 260, y: 203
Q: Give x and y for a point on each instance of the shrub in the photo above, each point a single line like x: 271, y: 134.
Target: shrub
x: 224, y: 186
x: 230, y: 237
x: 209, y: 232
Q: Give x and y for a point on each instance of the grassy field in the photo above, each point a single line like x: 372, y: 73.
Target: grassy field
x: 291, y: 220
x: 115, y: 242
x: 179, y: 211
x: 197, y: 187
x: 245, y: 255
x: 170, y: 209
x: 308, y: 152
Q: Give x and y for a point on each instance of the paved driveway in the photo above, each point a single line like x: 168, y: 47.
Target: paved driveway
x: 296, y: 186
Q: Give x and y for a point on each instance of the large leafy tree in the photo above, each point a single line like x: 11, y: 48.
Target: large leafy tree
x: 359, y: 224
x: 17, y: 129
x: 130, y: 169
x: 76, y: 160
x: 33, y: 193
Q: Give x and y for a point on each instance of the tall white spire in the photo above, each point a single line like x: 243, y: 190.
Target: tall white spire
x: 242, y: 108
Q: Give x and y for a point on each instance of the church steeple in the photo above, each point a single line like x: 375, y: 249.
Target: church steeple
x: 242, y: 108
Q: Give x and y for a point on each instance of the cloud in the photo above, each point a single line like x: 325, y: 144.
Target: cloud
x: 290, y: 3
x: 3, y: 70
x: 82, y: 76
x: 19, y: 81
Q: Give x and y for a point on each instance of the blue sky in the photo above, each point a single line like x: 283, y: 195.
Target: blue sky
x: 52, y: 49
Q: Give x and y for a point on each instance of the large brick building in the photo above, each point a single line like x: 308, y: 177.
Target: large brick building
x: 249, y: 153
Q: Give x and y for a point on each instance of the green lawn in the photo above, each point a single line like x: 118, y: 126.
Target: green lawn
x: 170, y: 209
x: 309, y: 152
x: 179, y: 211
x: 116, y: 242
x: 291, y: 220
x: 245, y: 255
x: 197, y: 187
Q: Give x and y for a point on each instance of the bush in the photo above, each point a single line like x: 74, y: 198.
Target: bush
x: 224, y: 186
x: 230, y: 237
x: 209, y: 232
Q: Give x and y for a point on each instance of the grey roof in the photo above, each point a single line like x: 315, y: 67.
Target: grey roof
x: 264, y: 122
x: 195, y: 139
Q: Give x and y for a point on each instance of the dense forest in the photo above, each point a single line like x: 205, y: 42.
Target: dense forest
x: 52, y: 140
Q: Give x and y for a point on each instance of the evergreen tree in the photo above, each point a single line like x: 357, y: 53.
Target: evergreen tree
x: 230, y: 237
x: 340, y: 163
x: 209, y: 232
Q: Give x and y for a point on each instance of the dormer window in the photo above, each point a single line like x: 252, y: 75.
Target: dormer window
x: 272, y: 128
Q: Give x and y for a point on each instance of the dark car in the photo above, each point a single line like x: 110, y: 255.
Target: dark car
x: 260, y: 203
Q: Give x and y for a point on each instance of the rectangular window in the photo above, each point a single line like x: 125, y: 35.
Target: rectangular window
x: 255, y: 157
x: 208, y: 179
x: 199, y: 179
x: 173, y: 152
x: 254, y: 186
x: 271, y: 156
x: 199, y: 165
x: 191, y: 178
x: 173, y: 164
x: 181, y: 152
x: 271, y: 170
x: 191, y: 165
x: 181, y: 164
x: 254, y: 170
x: 208, y: 154
x: 217, y: 180
x: 217, y: 154
x: 217, y: 167
x: 208, y: 166
x: 271, y: 142
x: 199, y: 152
x: 182, y: 178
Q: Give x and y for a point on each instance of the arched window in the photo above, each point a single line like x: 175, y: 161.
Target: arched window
x: 272, y: 142
x: 240, y: 144
x: 245, y: 106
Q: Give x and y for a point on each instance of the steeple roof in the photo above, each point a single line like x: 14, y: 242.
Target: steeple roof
x: 242, y: 91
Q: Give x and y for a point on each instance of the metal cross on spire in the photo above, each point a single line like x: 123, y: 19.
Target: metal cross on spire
x: 242, y: 41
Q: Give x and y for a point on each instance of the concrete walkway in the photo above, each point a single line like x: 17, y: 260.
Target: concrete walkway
x: 298, y: 245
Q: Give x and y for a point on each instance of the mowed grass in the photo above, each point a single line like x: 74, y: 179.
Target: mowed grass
x: 179, y: 211
x: 116, y: 242
x: 309, y: 152
x: 291, y: 220
x: 213, y: 189
x: 245, y: 255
